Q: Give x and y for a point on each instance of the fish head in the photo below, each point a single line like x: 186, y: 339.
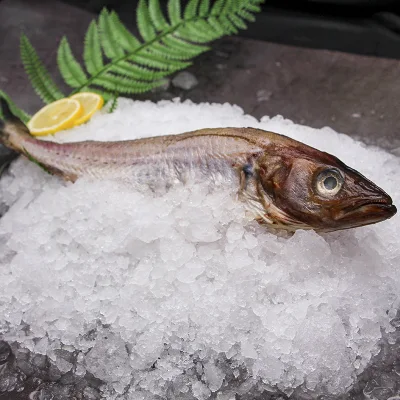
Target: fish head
x: 305, y: 188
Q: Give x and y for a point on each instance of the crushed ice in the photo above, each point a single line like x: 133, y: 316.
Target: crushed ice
x: 181, y: 295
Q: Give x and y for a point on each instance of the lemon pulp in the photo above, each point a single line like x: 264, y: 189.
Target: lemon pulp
x: 55, y: 117
x: 91, y: 102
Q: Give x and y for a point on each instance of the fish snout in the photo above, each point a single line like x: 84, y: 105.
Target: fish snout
x: 382, y: 210
x: 368, y: 210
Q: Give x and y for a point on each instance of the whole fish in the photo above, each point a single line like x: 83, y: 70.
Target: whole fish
x: 287, y: 184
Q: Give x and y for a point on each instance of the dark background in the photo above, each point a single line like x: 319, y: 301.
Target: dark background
x: 358, y: 26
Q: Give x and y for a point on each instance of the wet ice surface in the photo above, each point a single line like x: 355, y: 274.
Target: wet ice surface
x: 117, y: 294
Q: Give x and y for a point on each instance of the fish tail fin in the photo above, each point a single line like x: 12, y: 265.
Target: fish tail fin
x: 12, y: 130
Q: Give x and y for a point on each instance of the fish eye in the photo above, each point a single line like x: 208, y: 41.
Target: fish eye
x: 329, y: 182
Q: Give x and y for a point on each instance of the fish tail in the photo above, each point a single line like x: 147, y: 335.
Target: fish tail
x: 13, y: 131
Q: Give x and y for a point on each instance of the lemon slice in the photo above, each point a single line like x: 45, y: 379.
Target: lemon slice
x: 55, y: 117
x: 91, y: 102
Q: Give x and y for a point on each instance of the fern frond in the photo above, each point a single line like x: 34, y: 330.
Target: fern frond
x: 40, y: 78
x: 168, y: 52
x: 191, y: 9
x: 113, y: 105
x: 237, y: 21
x: 22, y: 115
x: 117, y: 62
x: 108, y: 37
x: 156, y: 15
x: 247, y: 15
x: 218, y: 7
x: 251, y: 7
x: 174, y: 11
x: 206, y: 29
x: 216, y: 25
x: 231, y: 6
x: 121, y: 84
x: 134, y: 71
x: 92, y: 53
x: 196, y: 35
x: 125, y: 38
x: 70, y: 69
x: 144, y: 22
x: 228, y: 25
x: 155, y: 61
x: 204, y: 8
x: 181, y: 45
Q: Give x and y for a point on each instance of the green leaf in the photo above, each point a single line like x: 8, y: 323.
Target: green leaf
x: 252, y: 7
x: 228, y: 26
x: 134, y: 71
x: 157, y: 16
x: 247, y: 15
x: 125, y: 38
x: 171, y: 53
x: 174, y: 11
x: 204, y: 8
x: 197, y: 34
x: 232, y: 6
x: 216, y: 26
x: 218, y: 7
x: 191, y: 9
x: 121, y: 84
x: 237, y: 21
x: 40, y: 78
x: 155, y: 61
x: 206, y: 29
x: 22, y: 115
x: 92, y: 53
x: 113, y: 105
x: 179, y: 44
x: 144, y: 22
x: 70, y: 69
x: 111, y: 46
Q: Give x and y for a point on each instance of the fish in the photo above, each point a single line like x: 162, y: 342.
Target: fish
x: 286, y: 184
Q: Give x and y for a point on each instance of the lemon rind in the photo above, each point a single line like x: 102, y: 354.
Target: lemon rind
x: 86, y: 117
x: 51, y: 129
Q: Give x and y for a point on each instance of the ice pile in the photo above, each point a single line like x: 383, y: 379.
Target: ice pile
x: 181, y: 296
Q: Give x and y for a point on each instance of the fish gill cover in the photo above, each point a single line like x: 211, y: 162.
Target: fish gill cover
x: 181, y: 295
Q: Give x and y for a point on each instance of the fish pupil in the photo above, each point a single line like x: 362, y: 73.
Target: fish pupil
x: 330, y: 183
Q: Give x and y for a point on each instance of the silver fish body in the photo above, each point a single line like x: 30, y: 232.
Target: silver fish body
x: 287, y: 184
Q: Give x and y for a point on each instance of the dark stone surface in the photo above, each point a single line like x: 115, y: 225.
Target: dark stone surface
x: 44, y: 22
x: 352, y: 94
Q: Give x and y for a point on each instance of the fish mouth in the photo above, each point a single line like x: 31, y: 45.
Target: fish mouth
x: 367, y: 212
